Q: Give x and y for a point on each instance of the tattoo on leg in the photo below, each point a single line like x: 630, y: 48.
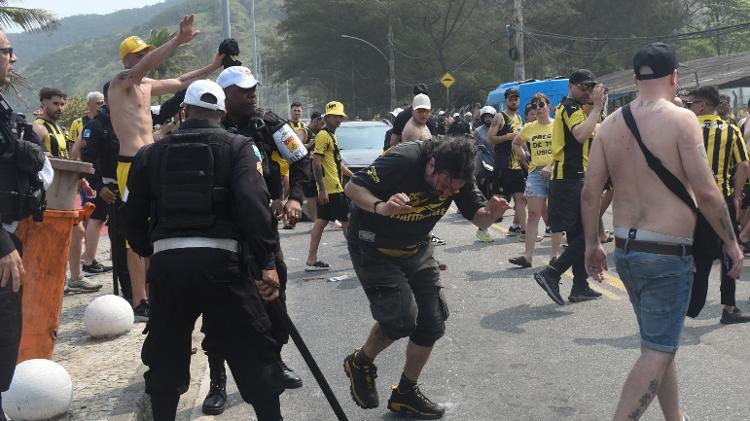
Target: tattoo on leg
x: 702, y: 151
x: 645, y: 400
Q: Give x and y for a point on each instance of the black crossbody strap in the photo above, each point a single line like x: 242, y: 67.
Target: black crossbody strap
x: 673, y: 183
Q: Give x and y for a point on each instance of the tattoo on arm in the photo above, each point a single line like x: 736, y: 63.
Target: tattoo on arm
x: 726, y: 225
x: 318, y: 172
x: 645, y: 400
x: 127, y: 74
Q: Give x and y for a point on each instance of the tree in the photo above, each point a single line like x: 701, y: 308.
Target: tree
x: 172, y: 64
x: 34, y: 20
x: 75, y: 107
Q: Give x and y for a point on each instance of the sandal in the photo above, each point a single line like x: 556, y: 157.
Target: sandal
x: 520, y: 261
x: 317, y: 266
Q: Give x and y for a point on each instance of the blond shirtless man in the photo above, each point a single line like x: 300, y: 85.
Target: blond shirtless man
x: 653, y: 227
x: 416, y: 127
x: 129, y: 101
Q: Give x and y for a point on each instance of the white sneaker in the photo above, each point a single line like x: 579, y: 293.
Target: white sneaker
x: 484, y: 236
x: 82, y: 284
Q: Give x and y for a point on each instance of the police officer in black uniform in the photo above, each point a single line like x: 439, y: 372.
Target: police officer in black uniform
x: 24, y: 174
x: 242, y: 117
x: 196, y: 200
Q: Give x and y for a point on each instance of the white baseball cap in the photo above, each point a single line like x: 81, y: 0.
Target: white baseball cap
x: 421, y: 101
x: 456, y: 115
x: 396, y: 111
x: 239, y: 76
x: 467, y: 114
x: 197, y: 89
x: 441, y: 112
x: 488, y: 109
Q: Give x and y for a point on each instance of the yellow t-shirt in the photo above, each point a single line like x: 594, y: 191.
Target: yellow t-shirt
x: 283, y: 165
x: 538, y: 138
x: 326, y: 146
x: 76, y: 127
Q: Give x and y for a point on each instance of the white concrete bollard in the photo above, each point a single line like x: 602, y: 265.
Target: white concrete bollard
x: 108, y: 316
x: 41, y: 389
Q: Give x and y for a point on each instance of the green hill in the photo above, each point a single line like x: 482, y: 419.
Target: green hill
x: 77, y: 28
x: 86, y: 64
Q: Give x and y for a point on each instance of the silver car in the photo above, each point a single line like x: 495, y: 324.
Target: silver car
x: 361, y: 142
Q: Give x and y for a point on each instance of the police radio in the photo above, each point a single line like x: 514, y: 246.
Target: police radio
x: 19, y: 126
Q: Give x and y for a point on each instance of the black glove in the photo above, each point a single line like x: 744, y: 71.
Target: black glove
x: 231, y: 51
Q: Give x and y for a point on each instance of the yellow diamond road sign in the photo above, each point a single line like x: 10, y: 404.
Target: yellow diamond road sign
x: 447, y: 80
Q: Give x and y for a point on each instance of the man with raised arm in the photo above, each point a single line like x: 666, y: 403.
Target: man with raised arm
x: 130, y: 95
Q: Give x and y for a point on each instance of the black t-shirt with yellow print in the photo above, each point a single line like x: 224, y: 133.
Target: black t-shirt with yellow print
x: 569, y: 157
x: 402, y: 170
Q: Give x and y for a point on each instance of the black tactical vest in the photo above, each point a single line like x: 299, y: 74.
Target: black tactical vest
x: 190, y: 176
x: 21, y: 192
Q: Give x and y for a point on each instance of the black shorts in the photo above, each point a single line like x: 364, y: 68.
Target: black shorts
x: 564, y: 206
x: 102, y: 209
x: 337, y: 208
x: 509, y: 182
x: 405, y: 295
x: 310, y: 189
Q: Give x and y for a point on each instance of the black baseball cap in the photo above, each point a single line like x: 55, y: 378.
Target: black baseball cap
x: 660, y: 57
x: 581, y: 77
x: 511, y: 92
x: 315, y: 115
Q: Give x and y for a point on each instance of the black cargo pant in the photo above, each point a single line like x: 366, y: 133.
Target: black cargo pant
x: 565, y: 215
x: 278, y: 327
x: 120, y: 273
x: 10, y: 328
x: 185, y: 284
x: 704, y: 255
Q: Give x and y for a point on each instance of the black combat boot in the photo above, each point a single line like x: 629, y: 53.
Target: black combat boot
x: 216, y: 400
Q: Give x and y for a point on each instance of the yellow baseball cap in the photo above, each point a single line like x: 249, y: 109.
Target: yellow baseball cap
x: 335, y: 108
x: 133, y: 44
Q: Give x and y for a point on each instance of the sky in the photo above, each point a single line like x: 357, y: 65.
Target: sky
x: 64, y: 8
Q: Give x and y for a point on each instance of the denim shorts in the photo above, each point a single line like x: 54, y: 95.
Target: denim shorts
x: 659, y: 287
x: 536, y: 185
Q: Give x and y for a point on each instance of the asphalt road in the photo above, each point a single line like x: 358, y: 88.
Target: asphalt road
x: 509, y: 352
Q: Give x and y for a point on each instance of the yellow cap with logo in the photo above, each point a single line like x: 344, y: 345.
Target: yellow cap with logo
x: 133, y: 44
x: 335, y: 108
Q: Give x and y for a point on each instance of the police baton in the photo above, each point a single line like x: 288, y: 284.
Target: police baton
x: 307, y: 356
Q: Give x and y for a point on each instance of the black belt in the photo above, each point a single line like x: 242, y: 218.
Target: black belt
x: 656, y: 248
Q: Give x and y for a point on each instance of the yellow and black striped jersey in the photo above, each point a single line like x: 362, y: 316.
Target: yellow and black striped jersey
x: 725, y: 148
x: 569, y: 157
x: 55, y: 141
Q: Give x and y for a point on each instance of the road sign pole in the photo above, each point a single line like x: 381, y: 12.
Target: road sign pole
x: 447, y: 98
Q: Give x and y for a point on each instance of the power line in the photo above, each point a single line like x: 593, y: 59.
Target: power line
x: 683, y: 36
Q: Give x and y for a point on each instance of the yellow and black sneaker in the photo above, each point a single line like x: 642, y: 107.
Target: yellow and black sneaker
x: 414, y: 404
x: 362, y: 381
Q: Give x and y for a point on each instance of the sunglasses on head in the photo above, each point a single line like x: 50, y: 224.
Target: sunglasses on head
x: 540, y: 104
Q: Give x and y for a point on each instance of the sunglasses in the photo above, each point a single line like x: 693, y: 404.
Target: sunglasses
x: 688, y: 104
x: 540, y: 105
x: 8, y: 51
x: 587, y: 87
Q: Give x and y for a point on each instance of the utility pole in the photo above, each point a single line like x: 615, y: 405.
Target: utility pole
x: 227, y: 30
x: 519, y: 72
x: 392, y: 66
x: 256, y: 57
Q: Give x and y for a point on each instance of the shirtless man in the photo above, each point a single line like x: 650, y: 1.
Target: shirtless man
x: 653, y: 227
x: 130, y: 95
x: 416, y: 127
